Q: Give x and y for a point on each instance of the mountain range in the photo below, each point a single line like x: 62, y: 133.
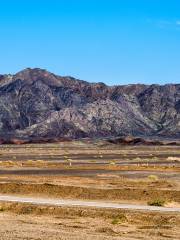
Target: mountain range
x: 35, y: 103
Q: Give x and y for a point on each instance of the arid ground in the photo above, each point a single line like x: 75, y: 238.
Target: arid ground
x: 90, y: 171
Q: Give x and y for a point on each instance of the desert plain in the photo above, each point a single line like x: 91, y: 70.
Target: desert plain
x: 89, y: 189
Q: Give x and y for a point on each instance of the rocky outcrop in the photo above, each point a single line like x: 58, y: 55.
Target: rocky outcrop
x: 36, y: 104
x: 129, y: 140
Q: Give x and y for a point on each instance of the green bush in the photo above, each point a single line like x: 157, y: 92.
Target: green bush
x: 157, y: 202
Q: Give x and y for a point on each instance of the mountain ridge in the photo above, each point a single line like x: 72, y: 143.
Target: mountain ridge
x: 35, y: 103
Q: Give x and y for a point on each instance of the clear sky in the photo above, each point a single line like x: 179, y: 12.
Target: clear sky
x: 111, y: 41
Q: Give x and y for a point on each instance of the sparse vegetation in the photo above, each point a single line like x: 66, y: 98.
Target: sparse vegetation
x: 153, y: 178
x: 119, y: 220
x: 40, y: 162
x: 2, y: 209
x: 101, y: 180
x: 157, y: 202
x: 112, y: 163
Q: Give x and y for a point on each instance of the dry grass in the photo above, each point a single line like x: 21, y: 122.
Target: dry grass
x: 153, y: 178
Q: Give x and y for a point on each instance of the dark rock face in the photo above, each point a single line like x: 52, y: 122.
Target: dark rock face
x: 37, y: 104
x: 129, y: 140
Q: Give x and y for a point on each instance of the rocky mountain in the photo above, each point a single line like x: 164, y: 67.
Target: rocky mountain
x: 35, y: 103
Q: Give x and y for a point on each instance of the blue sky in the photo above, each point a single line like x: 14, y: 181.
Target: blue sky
x: 111, y: 41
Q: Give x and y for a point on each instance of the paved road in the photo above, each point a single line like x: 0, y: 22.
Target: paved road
x: 79, y: 203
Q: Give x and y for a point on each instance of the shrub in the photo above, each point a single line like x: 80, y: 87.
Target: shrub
x: 40, y: 162
x: 2, y: 209
x: 112, y: 163
x: 153, y: 177
x: 30, y: 162
x: 120, y: 219
x: 157, y: 202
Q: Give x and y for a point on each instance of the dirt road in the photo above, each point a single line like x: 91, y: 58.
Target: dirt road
x: 79, y: 203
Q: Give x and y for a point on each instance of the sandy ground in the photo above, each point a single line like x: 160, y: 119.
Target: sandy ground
x: 20, y: 227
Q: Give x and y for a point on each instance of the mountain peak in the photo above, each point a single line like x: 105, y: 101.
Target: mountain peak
x: 31, y: 75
